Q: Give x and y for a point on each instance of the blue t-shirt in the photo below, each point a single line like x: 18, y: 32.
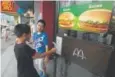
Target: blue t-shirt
x: 40, y: 41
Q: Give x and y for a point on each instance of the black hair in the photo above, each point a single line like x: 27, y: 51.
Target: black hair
x: 42, y: 21
x: 20, y: 29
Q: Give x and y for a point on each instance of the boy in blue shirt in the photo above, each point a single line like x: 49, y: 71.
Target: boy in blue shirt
x: 41, y: 45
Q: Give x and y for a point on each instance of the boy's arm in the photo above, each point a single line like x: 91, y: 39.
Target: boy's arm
x: 53, y: 50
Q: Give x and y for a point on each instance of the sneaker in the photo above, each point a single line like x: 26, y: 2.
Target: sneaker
x: 41, y: 73
x: 44, y: 75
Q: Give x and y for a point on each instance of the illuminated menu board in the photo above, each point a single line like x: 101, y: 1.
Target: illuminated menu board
x: 89, y: 17
x: 8, y: 6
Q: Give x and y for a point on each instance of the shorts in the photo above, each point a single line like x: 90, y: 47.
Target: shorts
x: 40, y: 63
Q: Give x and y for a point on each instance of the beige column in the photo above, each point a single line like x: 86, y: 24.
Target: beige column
x: 16, y: 19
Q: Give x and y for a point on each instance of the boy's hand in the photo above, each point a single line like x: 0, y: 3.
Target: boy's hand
x: 47, y: 57
x: 55, y: 45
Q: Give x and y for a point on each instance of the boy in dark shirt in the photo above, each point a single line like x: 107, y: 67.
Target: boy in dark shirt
x: 25, y: 54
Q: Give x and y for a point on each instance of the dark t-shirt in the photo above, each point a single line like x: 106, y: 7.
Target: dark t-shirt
x: 25, y: 65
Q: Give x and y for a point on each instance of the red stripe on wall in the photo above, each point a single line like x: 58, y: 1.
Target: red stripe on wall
x: 49, y: 17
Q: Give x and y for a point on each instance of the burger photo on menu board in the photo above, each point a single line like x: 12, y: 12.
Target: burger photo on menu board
x: 66, y: 20
x: 96, y: 20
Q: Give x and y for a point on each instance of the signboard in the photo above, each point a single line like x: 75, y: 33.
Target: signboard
x: 8, y: 6
x: 88, y: 55
x: 93, y: 17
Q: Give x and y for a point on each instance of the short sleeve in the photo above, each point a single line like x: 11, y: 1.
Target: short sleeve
x: 45, y: 39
